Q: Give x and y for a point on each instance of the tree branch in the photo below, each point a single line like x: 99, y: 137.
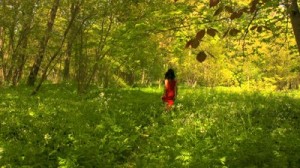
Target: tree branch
x: 247, y: 29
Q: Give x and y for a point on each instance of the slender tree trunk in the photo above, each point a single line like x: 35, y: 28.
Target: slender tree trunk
x: 295, y: 19
x: 75, y: 9
x: 10, y: 56
x: 80, y: 63
x: 143, y: 77
x: 20, y: 49
x: 66, y: 73
x: 1, y: 47
x: 19, y: 53
x: 100, y: 54
x: 20, y: 65
x: 1, y: 56
x: 43, y: 45
x: 55, y: 55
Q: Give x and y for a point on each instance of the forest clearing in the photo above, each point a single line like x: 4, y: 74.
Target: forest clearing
x: 218, y: 127
x: 149, y: 83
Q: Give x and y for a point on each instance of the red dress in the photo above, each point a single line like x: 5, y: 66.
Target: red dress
x: 170, y: 92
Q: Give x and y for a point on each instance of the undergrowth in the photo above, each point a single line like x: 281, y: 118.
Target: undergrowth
x: 130, y: 128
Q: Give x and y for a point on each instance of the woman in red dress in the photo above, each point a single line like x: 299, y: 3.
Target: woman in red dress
x: 170, y: 92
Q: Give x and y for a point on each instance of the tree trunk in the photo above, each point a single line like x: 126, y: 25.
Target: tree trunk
x: 74, y: 10
x: 20, y: 64
x: 1, y: 56
x: 100, y: 54
x: 20, y: 49
x: 295, y: 19
x: 55, y: 55
x: 81, y: 64
x: 43, y: 45
x: 10, y: 55
x: 66, y: 73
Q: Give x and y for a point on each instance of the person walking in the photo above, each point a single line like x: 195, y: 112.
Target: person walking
x: 170, y: 89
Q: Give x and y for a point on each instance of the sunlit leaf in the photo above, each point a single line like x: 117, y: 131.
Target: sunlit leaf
x: 223, y: 160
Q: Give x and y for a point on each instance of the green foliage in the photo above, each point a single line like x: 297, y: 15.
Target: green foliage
x: 221, y: 127
x: 132, y: 43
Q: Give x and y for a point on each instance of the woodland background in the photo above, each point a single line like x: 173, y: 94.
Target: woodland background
x: 120, y: 43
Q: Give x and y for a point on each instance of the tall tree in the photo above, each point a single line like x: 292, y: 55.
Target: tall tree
x: 9, y: 20
x: 96, y: 21
x: 20, y: 50
x: 74, y: 10
x: 43, y: 45
x: 295, y: 19
x: 1, y: 56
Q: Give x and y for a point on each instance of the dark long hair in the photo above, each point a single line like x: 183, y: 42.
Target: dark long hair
x: 170, y: 74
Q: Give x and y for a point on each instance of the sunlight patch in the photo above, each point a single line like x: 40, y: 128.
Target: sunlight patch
x: 180, y: 132
x: 31, y: 112
x: 185, y: 157
x: 223, y: 160
x: 1, y: 151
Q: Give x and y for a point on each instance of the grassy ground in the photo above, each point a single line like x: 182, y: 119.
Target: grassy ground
x: 130, y: 128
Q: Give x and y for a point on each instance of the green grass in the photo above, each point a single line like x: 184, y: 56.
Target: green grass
x: 217, y: 127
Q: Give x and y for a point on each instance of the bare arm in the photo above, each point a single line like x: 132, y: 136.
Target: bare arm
x: 166, y: 85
